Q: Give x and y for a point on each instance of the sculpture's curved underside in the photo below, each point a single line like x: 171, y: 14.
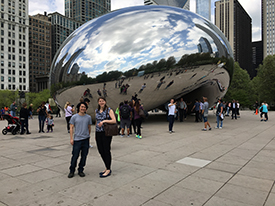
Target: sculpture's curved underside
x: 161, y: 45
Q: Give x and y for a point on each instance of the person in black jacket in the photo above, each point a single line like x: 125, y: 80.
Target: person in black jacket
x: 24, y: 118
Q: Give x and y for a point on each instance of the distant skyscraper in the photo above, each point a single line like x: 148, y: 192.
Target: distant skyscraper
x: 177, y: 3
x: 268, y: 26
x: 257, y: 55
x: 40, y: 52
x: 235, y: 23
x: 62, y: 27
x: 14, y: 45
x: 203, y: 8
x: 85, y: 10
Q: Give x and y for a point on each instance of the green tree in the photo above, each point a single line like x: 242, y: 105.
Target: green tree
x: 37, y: 98
x: 266, y: 75
x: 239, y: 87
x: 7, y: 97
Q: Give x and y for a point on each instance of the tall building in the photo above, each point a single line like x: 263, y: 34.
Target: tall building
x: 203, y: 8
x: 257, y: 55
x: 14, y: 45
x: 268, y: 26
x: 185, y: 4
x: 85, y: 10
x: 235, y: 23
x: 39, y: 51
x: 62, y: 27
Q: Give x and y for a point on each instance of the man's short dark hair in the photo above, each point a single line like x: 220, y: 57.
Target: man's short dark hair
x: 79, y: 104
x: 86, y: 100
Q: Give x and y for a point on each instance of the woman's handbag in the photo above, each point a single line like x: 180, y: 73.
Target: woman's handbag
x: 141, y: 113
x: 110, y: 129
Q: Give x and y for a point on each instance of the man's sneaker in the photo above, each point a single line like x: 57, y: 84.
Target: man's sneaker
x: 220, y: 128
x: 216, y: 127
x: 128, y: 135
x: 140, y: 137
x: 137, y: 136
x: 170, y: 132
x: 81, y: 174
x: 204, y: 129
x: 122, y: 135
x: 262, y: 120
x: 70, y: 175
x: 210, y: 128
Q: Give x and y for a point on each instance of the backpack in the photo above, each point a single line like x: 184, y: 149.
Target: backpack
x: 125, y: 111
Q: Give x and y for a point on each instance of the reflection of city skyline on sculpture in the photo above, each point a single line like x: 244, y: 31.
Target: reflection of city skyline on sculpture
x: 138, y: 38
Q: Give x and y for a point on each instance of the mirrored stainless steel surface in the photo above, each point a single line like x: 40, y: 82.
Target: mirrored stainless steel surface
x: 138, y: 45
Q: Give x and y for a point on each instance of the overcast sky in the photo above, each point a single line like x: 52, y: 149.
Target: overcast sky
x: 252, y: 7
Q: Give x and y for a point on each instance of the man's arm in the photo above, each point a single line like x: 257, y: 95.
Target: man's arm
x: 71, y: 134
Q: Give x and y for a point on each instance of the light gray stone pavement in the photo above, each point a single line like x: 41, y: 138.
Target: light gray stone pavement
x: 241, y: 172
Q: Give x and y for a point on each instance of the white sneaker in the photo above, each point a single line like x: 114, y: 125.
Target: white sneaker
x: 220, y: 128
x: 216, y: 127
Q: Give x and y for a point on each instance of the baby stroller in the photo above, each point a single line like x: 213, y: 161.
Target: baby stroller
x: 13, y: 124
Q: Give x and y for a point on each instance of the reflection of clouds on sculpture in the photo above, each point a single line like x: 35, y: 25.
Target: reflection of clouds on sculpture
x: 128, y: 38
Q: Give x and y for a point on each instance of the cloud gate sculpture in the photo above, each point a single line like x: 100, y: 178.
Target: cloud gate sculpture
x: 173, y: 52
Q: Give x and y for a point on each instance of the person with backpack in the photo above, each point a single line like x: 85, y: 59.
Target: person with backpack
x: 125, y: 113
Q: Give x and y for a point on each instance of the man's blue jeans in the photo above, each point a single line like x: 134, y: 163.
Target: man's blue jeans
x: 218, y: 121
x: 41, y: 122
x: 171, y: 119
x: 13, y: 113
x: 83, y: 147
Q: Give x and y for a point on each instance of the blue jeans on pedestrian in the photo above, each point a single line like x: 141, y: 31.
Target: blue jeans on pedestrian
x: 83, y: 147
x: 13, y: 113
x: 218, y: 121
x: 41, y: 122
x: 171, y: 119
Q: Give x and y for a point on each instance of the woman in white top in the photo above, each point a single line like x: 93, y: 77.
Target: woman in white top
x: 171, y: 114
x: 68, y: 114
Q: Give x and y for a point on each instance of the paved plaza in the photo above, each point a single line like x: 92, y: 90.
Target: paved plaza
x: 233, y: 166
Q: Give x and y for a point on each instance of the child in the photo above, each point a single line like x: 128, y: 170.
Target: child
x: 50, y: 123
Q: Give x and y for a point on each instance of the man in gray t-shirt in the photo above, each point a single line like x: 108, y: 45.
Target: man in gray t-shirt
x: 205, y: 114
x: 80, y: 125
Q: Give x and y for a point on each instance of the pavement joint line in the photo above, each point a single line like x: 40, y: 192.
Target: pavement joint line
x: 269, y: 193
x: 240, y: 170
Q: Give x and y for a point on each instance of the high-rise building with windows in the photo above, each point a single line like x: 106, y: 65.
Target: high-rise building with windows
x: 185, y: 4
x: 203, y: 8
x: 235, y: 23
x: 257, y: 55
x: 85, y: 10
x: 62, y: 27
x: 39, y: 52
x: 268, y: 27
x: 14, y: 45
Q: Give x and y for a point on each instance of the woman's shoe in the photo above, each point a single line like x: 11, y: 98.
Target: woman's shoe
x: 103, y: 176
x: 101, y: 173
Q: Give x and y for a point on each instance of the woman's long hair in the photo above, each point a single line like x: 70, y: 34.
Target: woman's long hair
x: 105, y: 107
x: 137, y: 105
x: 67, y: 104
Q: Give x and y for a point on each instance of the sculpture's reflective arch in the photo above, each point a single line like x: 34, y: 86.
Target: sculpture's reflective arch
x: 175, y: 52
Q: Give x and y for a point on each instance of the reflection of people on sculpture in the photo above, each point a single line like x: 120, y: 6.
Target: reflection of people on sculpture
x: 134, y: 97
x: 99, y: 92
x: 123, y: 89
x: 162, y: 78
x: 104, y: 93
x: 193, y: 75
x: 142, y: 88
x: 87, y: 93
x: 170, y: 83
x: 159, y: 85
